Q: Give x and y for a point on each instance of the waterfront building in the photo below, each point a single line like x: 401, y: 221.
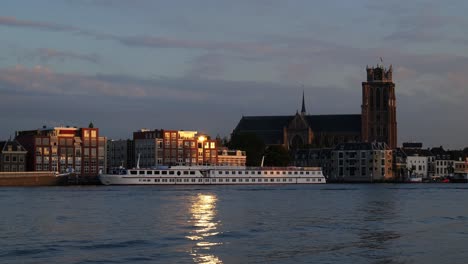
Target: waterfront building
x: 12, y: 156
x: 461, y: 170
x: 400, y: 169
x: 63, y: 149
x: 120, y: 153
x: 362, y: 162
x: 148, y: 148
x: 419, y: 162
x: 377, y: 121
x: 172, y: 147
x: 314, y: 158
x: 228, y: 157
x: 443, y: 163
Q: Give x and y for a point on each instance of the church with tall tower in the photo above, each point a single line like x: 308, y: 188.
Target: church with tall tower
x: 379, y: 106
x: 377, y: 121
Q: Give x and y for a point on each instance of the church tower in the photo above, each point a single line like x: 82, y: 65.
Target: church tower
x: 378, y: 114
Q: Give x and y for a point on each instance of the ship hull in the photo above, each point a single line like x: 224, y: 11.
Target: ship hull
x: 12, y: 179
x: 213, y: 177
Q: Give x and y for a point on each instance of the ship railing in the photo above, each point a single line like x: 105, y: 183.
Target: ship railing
x: 285, y: 168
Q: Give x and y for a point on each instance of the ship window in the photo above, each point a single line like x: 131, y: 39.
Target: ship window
x: 289, y: 172
x: 192, y: 173
x: 295, y: 173
x: 171, y: 180
x: 178, y: 173
x: 207, y: 180
x: 301, y: 173
x: 272, y: 180
x: 133, y: 172
x: 259, y: 172
x: 200, y: 180
x: 141, y: 172
x: 240, y: 180
x: 308, y: 180
x: 164, y: 180
x: 227, y: 180
x: 149, y: 172
x: 179, y: 180
x: 156, y: 172
x: 277, y: 172
x: 319, y: 180
x: 307, y: 172
x: 234, y: 180
x: 278, y: 180
x: 185, y: 172
x: 313, y: 173
x: 157, y: 180
x: 253, y: 180
x: 227, y: 172
x: 214, y: 180
x: 284, y: 172
x: 246, y: 180
x: 193, y: 180
x: 284, y: 180
x: 220, y: 180
x: 164, y: 172
x: 239, y: 172
x: 220, y: 172
x: 171, y: 172
x: 290, y: 180
x: 233, y: 172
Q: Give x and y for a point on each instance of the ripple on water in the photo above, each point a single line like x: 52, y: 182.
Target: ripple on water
x: 123, y: 244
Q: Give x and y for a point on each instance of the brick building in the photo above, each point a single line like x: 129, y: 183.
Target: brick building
x: 172, y: 147
x: 63, y: 149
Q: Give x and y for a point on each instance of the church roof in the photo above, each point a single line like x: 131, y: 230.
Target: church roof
x: 270, y: 128
x: 335, y: 123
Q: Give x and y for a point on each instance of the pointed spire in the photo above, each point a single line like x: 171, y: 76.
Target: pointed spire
x: 303, y: 111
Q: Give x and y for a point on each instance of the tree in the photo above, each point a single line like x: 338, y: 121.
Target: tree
x: 277, y: 156
x: 251, y: 144
x: 91, y: 125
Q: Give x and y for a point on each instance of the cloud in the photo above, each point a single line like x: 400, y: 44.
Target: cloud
x: 207, y: 65
x: 13, y: 22
x: 44, y: 55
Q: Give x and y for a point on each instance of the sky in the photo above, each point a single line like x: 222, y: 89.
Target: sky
x: 202, y: 65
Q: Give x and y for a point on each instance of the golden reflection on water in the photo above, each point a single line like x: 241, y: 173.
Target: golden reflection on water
x: 203, y: 212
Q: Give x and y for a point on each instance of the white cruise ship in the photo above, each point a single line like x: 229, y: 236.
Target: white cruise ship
x: 204, y: 175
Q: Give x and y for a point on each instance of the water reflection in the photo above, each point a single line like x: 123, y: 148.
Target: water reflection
x: 203, y: 213
x: 378, y: 211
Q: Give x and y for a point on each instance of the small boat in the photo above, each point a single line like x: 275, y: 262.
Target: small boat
x: 414, y: 179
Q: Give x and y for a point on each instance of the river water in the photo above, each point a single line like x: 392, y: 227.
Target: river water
x: 359, y: 223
